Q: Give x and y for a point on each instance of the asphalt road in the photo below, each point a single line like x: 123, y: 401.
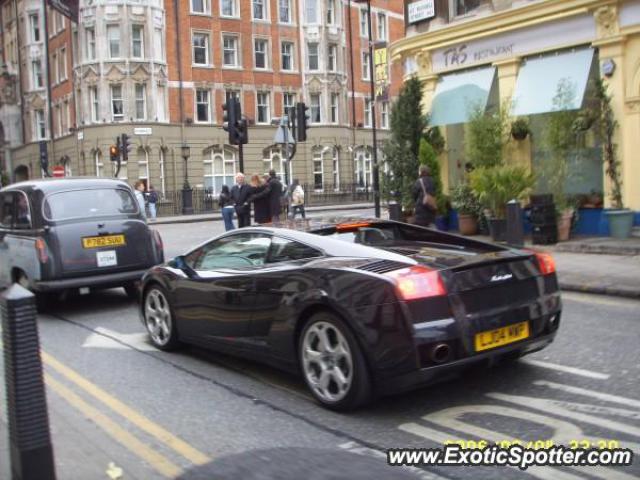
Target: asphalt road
x: 114, y: 399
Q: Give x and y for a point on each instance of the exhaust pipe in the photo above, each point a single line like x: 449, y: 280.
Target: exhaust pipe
x: 441, y: 353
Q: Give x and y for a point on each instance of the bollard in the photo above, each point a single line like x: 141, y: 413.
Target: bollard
x: 515, y: 229
x: 29, y: 437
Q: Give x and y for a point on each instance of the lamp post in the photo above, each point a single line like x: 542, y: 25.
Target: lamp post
x: 187, y: 192
x: 284, y: 139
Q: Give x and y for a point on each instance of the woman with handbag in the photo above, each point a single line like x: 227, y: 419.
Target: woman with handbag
x: 424, y: 194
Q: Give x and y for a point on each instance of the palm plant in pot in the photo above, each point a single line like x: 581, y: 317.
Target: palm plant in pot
x: 466, y: 203
x: 520, y: 129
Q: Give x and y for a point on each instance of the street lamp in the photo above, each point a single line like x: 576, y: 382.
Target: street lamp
x: 187, y: 192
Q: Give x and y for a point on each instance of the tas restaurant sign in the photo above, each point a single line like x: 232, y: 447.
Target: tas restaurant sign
x: 420, y: 11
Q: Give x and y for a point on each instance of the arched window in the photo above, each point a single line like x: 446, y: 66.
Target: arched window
x: 335, y: 164
x: 362, y: 160
x: 273, y: 158
x: 97, y: 157
x: 318, y: 169
x: 219, y: 169
x: 163, y: 185
x: 143, y: 165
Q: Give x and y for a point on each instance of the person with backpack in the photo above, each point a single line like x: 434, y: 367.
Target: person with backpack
x: 297, y: 199
x: 152, y: 202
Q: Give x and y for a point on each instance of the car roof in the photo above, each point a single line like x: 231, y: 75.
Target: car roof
x: 48, y: 185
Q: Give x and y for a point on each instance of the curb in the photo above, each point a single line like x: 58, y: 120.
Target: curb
x: 600, y: 250
x: 596, y: 290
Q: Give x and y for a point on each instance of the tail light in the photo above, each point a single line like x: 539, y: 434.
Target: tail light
x: 546, y: 263
x: 158, y: 241
x: 41, y: 248
x: 417, y: 282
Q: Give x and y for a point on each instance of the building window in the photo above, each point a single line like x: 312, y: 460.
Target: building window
x: 363, y: 167
x: 219, y: 169
x: 39, y: 127
x: 288, y: 104
x: 465, y: 6
x: 336, y: 169
x: 229, y: 94
x: 98, y: 162
x: 332, y: 55
x: 311, y: 11
x: 287, y: 56
x: 318, y: 173
x: 335, y: 110
x: 367, y: 112
x: 263, y: 107
x: 200, y: 6
x: 91, y: 43
x: 315, y: 110
x: 331, y: 12
x: 62, y: 64
x: 364, y: 23
x: 57, y: 114
x: 230, y: 50
x: 382, y: 26
x: 158, y: 44
x: 384, y: 114
x: 202, y: 106
x: 261, y: 53
x: 117, y: 110
x: 137, y: 41
x: 259, y: 10
x: 366, y: 61
x: 160, y: 107
x: 229, y: 8
x: 95, y: 104
x: 274, y: 160
x: 54, y: 67
x: 65, y: 117
x: 113, y: 35
x: 36, y: 66
x: 312, y: 56
x: 141, y: 101
x: 284, y: 7
x: 200, y: 48
x: 163, y: 186
x: 143, y: 165
x: 34, y: 23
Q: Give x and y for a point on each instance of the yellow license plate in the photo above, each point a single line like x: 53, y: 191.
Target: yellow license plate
x: 501, y: 336
x: 106, y: 241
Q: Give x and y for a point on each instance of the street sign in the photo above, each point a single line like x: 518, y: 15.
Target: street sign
x: 143, y: 131
x: 420, y: 11
x: 58, y: 171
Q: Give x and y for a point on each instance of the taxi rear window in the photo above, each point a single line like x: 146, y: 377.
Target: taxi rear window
x: 99, y: 202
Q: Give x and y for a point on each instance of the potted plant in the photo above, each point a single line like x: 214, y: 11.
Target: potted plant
x: 442, y: 214
x: 495, y: 186
x: 466, y: 203
x: 520, y: 129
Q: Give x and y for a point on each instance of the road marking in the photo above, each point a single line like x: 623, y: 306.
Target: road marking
x: 598, y: 409
x: 157, y: 461
x: 607, y: 397
x: 142, y: 422
x: 105, y: 338
x: 598, y: 299
x: 565, y: 369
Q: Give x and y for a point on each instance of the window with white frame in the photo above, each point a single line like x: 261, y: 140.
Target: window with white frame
x: 230, y: 50
x: 311, y: 11
x: 203, y: 109
x: 263, y: 100
x: 259, y: 9
x: 219, y: 169
x: 200, y: 6
x: 137, y: 41
x: 163, y: 185
x: 315, y: 109
x: 366, y: 65
x: 288, y: 104
x: 332, y: 56
x: 284, y: 11
x: 65, y: 117
x: 367, y: 112
x: 200, y: 42
x: 143, y: 165
x: 36, y: 68
x: 287, y: 49
x: 313, y: 56
x: 90, y: 36
x: 39, y: 125
x: 97, y: 159
x: 318, y: 170
x: 364, y: 23
x: 331, y: 12
x: 261, y: 53
x: 141, y: 101
x: 117, y: 106
x: 334, y: 108
x: 62, y: 64
x: 34, y: 27
x: 362, y: 160
x: 161, y: 95
x: 335, y: 163
x: 57, y: 114
x: 384, y: 114
x: 229, y: 94
x: 53, y: 65
x: 158, y: 44
x: 382, y: 26
x: 229, y: 8
x: 273, y: 159
x: 113, y: 37
x: 94, y: 100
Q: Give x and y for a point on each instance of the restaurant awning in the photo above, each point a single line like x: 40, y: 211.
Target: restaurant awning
x: 457, y: 94
x: 552, y: 82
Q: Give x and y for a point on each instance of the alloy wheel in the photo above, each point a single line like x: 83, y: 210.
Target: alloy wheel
x: 157, y: 315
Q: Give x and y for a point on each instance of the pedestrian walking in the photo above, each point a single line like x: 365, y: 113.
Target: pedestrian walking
x: 227, y: 208
x: 275, y: 196
x: 297, y: 199
x: 424, y: 195
x: 260, y: 195
x: 240, y: 193
x: 152, y: 202
x: 139, y: 192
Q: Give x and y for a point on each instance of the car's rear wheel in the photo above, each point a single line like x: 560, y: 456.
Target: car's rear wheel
x: 159, y: 319
x: 332, y: 363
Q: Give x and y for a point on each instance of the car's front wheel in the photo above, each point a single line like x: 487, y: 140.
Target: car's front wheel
x: 332, y: 363
x: 159, y: 319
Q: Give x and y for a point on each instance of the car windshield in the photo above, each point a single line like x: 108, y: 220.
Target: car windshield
x: 97, y: 202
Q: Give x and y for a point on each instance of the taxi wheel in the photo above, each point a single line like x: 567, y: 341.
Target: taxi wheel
x: 332, y: 363
x: 159, y: 319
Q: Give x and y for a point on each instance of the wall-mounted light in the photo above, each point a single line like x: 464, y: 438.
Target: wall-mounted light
x: 607, y: 67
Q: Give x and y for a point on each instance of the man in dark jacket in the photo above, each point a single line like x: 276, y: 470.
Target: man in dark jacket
x: 425, y: 214
x: 240, y: 194
x: 275, y: 196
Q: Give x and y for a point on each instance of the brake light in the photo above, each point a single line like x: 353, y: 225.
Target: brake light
x: 41, y: 248
x: 546, y: 263
x: 418, y: 282
x: 341, y: 227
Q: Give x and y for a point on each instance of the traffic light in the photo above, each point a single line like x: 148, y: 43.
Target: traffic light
x: 125, y: 147
x: 302, y: 122
x: 114, y: 151
x: 230, y: 119
x: 243, y: 132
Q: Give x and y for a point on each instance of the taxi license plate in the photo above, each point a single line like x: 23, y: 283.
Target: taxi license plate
x: 104, y: 241
x: 501, y: 336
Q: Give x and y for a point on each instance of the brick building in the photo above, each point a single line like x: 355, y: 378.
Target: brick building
x: 161, y: 70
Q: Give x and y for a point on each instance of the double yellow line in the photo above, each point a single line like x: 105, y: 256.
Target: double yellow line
x: 156, y: 460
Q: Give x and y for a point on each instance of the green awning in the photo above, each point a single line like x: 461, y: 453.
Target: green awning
x: 458, y: 93
x: 552, y: 82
